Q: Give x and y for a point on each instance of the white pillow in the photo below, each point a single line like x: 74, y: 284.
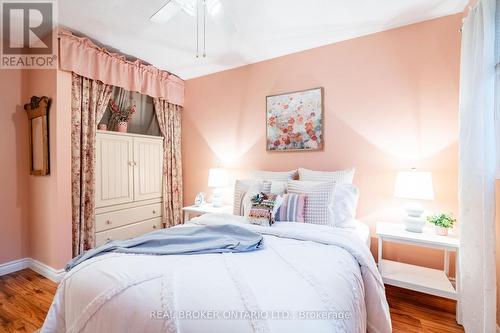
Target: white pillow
x: 278, y: 187
x: 274, y: 175
x: 319, y: 200
x: 339, y: 177
x: 243, y: 186
x: 345, y: 203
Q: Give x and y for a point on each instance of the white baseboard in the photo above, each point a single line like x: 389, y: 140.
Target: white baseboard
x: 50, y: 273
x: 14, y: 266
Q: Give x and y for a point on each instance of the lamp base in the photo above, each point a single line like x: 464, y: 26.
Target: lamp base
x: 414, y: 224
x: 414, y: 209
x: 217, y: 197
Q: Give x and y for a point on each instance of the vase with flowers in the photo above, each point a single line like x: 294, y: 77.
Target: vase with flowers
x: 121, y: 116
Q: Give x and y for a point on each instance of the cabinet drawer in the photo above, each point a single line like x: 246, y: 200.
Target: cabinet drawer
x: 123, y: 217
x: 129, y: 231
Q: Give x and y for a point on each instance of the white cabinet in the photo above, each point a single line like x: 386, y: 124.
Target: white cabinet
x: 114, y: 170
x: 148, y: 157
x: 128, y: 192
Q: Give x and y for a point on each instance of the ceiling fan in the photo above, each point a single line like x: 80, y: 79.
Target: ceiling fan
x: 198, y: 9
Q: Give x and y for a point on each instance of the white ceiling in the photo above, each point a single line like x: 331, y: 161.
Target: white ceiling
x: 244, y: 32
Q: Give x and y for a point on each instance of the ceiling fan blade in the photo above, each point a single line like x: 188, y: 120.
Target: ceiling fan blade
x: 166, y: 13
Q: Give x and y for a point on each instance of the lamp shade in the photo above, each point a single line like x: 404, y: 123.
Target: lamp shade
x: 217, y: 177
x: 416, y: 185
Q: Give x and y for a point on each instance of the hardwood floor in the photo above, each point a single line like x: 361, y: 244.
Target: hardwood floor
x: 412, y: 311
x: 25, y: 298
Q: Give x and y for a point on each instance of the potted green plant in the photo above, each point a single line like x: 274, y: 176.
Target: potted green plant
x: 442, y: 222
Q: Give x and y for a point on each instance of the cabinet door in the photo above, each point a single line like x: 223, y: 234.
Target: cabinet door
x: 114, y: 170
x: 148, y: 168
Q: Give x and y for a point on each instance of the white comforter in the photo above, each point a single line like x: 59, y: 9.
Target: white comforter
x: 308, y: 278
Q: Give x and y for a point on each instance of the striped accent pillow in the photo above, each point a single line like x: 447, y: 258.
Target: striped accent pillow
x: 292, y: 208
x: 339, y: 177
x: 319, y: 200
x: 241, y: 187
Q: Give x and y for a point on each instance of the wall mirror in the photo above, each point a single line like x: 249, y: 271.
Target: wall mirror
x: 37, y: 111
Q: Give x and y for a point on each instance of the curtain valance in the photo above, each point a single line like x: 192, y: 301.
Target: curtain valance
x: 81, y: 56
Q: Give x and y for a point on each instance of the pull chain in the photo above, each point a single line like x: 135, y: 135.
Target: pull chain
x: 197, y: 29
x: 204, y: 29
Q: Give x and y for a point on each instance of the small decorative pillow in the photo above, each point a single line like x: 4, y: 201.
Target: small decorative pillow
x: 319, y: 200
x: 241, y: 187
x: 263, y: 209
x: 292, y: 208
x: 339, y: 177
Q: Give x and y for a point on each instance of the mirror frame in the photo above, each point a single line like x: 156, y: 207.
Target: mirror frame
x: 39, y: 108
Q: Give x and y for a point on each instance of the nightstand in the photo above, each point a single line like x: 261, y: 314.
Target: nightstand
x: 422, y: 279
x: 205, y: 209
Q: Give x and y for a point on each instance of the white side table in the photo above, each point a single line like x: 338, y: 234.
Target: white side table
x: 205, y: 209
x: 422, y: 279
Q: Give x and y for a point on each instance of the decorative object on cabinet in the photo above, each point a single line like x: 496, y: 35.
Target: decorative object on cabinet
x: 442, y: 222
x: 129, y: 175
x: 37, y: 111
x: 414, y: 185
x: 200, y: 199
x: 294, y: 121
x: 102, y: 127
x: 121, y: 116
x: 217, y: 179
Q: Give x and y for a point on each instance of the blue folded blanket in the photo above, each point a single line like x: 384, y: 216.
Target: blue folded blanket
x: 184, y: 240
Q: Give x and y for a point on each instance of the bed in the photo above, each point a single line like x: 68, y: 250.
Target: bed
x: 306, y: 278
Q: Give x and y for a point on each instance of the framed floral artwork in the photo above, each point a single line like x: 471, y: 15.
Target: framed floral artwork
x: 294, y: 121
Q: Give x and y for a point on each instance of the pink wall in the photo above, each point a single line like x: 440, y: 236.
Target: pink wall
x: 35, y: 212
x: 50, y: 196
x: 14, y: 167
x: 391, y: 103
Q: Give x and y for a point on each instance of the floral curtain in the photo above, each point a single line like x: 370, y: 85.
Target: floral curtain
x: 169, y: 119
x: 90, y: 99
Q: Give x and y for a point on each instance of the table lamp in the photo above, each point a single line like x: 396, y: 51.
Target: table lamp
x: 217, y: 179
x: 414, y: 185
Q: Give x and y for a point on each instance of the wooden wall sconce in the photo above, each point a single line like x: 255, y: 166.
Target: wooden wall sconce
x: 38, y: 111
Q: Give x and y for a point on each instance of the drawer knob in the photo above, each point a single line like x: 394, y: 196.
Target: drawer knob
x: 108, y: 239
x: 108, y: 221
x: 154, y: 227
x: 154, y: 211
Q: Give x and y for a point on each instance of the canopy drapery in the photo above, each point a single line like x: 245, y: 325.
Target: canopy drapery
x: 81, y: 56
x: 95, y: 72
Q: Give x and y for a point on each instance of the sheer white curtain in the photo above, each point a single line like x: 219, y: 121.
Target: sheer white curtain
x: 477, y: 167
